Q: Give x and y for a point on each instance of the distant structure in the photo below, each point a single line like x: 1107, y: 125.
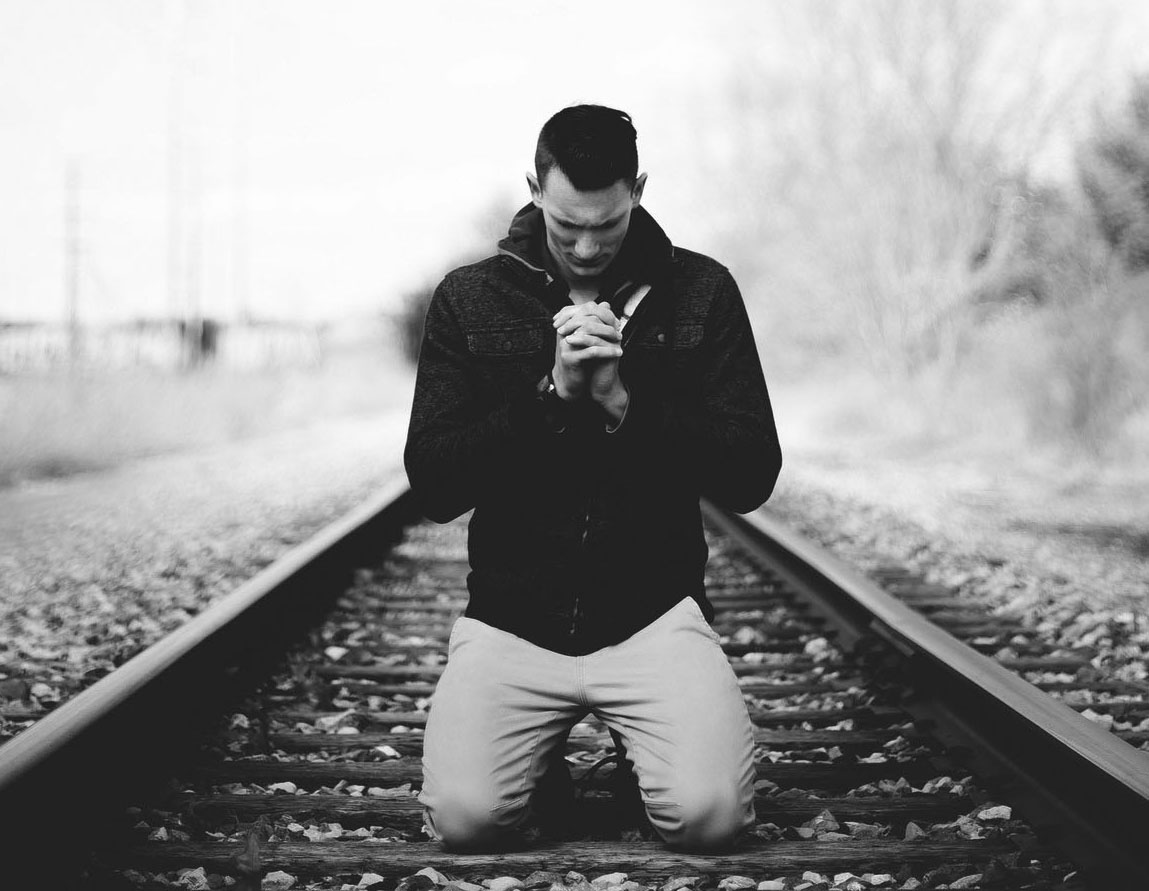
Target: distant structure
x: 170, y: 345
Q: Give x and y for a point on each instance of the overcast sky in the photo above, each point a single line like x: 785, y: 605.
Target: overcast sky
x: 329, y: 155
x: 350, y: 145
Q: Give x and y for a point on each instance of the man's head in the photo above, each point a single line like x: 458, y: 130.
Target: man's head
x: 586, y: 183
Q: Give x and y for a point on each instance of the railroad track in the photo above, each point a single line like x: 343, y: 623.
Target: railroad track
x: 280, y: 732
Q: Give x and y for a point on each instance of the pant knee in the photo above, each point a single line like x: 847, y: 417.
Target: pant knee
x: 470, y: 819
x: 704, y: 819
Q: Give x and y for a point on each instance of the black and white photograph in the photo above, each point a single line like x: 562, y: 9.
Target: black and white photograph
x: 601, y: 446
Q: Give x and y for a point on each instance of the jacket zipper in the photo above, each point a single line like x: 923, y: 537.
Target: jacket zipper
x: 586, y: 514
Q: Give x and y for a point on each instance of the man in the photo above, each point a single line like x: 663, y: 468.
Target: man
x: 580, y: 391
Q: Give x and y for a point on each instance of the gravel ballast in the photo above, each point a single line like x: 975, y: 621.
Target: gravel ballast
x: 1075, y: 593
x: 96, y: 567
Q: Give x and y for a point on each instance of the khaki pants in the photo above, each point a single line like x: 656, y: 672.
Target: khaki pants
x: 503, y: 705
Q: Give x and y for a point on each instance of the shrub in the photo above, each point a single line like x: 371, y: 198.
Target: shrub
x: 409, y: 322
x: 1114, y: 173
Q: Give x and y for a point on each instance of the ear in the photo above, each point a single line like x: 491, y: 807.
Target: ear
x: 536, y: 189
x: 636, y: 192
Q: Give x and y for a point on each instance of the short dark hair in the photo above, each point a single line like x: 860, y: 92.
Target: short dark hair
x: 592, y: 144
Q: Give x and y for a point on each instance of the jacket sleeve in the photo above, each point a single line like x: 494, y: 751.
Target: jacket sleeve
x: 726, y: 439
x: 454, y: 441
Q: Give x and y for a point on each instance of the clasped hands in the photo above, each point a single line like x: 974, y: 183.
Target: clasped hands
x: 588, y: 345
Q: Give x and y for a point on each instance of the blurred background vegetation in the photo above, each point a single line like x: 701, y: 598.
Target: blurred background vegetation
x: 938, y: 213
x: 953, y: 244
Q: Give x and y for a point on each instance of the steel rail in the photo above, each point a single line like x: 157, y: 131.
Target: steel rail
x: 86, y: 754
x: 1059, y: 767
x: 117, y: 733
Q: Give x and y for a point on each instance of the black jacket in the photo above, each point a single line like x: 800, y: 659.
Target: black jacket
x: 580, y: 538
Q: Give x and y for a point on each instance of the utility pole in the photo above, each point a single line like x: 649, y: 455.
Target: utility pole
x: 241, y: 110
x: 193, y: 306
x: 72, y: 259
x: 176, y: 51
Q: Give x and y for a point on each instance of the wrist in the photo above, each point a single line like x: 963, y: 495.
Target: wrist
x: 560, y: 387
x: 555, y: 408
x: 614, y: 403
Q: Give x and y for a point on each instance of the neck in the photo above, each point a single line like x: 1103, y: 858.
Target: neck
x: 583, y: 293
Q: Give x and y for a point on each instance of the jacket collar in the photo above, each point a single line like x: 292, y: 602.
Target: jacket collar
x: 644, y: 259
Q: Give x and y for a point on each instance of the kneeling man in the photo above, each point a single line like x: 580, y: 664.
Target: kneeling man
x: 581, y: 390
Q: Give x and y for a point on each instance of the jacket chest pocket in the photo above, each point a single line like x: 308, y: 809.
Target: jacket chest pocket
x: 510, y: 340
x: 513, y: 354
x: 667, y: 355
x: 672, y: 339
x: 672, y: 344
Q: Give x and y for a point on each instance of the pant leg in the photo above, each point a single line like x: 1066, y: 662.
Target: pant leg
x: 671, y: 694
x: 498, y: 711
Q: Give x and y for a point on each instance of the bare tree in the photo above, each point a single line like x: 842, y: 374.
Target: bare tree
x: 884, y: 138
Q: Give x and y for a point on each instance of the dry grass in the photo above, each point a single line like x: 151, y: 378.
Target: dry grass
x: 965, y: 464
x: 60, y: 423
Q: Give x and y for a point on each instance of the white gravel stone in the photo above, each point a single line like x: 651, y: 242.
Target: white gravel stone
x: 193, y: 879
x: 278, y: 881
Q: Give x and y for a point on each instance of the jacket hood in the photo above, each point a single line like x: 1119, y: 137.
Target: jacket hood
x: 646, y: 250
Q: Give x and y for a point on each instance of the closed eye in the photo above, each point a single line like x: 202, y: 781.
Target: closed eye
x: 609, y: 224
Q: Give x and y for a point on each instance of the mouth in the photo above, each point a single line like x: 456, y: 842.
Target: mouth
x: 584, y: 266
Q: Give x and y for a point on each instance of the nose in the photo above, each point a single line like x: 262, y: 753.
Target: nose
x: 585, y: 247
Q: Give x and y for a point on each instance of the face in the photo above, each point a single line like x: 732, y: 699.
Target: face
x: 585, y: 230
